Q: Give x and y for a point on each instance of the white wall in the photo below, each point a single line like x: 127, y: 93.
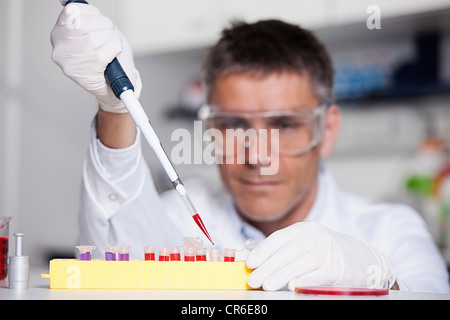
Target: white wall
x: 46, y: 153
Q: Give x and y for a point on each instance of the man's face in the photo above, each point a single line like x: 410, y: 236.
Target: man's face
x: 265, y: 198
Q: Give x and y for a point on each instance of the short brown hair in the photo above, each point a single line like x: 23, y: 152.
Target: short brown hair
x: 270, y: 46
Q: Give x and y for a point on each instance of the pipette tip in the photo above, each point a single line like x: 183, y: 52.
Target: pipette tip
x: 202, y: 227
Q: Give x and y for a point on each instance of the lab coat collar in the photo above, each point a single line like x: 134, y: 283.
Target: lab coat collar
x: 318, y: 208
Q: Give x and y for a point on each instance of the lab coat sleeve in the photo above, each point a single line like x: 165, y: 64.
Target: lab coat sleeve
x: 419, y: 264
x: 412, y: 251
x: 119, y: 202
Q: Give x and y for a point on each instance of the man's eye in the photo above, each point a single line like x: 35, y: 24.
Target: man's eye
x: 285, y: 123
x: 230, y: 123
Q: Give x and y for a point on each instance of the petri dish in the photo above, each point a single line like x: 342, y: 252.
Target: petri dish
x: 342, y: 291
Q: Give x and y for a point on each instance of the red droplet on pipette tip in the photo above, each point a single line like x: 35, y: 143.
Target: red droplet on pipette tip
x: 200, y: 224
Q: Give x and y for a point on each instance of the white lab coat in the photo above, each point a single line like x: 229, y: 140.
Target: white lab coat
x: 120, y: 206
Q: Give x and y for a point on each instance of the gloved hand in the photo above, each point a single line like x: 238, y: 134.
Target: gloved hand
x: 84, y: 43
x: 307, y: 254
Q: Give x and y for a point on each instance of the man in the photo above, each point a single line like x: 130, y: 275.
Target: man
x: 266, y: 75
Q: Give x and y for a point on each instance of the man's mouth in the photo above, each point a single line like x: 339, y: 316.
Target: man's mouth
x: 256, y: 183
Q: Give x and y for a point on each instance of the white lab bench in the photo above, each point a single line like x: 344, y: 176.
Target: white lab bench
x: 39, y: 289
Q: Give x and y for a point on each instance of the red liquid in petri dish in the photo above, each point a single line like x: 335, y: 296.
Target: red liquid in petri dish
x: 3, y: 257
x: 228, y: 259
x: 342, y: 291
x: 163, y: 258
x: 149, y: 256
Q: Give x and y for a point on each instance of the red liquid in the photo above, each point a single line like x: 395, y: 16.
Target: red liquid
x: 149, y: 256
x: 341, y: 291
x: 3, y: 257
x: 200, y: 224
x: 175, y: 257
x: 189, y: 258
x: 201, y: 257
x: 163, y: 258
x: 228, y: 259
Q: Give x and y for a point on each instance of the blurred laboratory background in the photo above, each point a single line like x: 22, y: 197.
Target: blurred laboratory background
x: 392, y: 83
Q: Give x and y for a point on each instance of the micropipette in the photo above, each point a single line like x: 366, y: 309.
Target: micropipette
x: 124, y: 90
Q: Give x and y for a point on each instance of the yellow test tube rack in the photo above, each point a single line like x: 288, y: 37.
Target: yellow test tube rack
x: 142, y: 274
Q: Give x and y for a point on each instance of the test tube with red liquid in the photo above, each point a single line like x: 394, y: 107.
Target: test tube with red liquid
x: 110, y: 253
x: 163, y: 254
x: 124, y: 253
x: 3, y: 257
x: 149, y: 253
x: 4, y: 245
x: 229, y: 255
x: 189, y: 254
x: 175, y: 254
x: 85, y: 252
x: 200, y: 255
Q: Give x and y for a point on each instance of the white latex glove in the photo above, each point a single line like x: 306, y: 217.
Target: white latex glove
x: 84, y: 43
x: 307, y: 254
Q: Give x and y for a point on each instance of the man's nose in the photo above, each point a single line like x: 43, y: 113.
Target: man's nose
x: 257, y: 149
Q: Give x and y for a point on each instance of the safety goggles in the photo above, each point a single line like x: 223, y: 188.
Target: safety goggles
x: 286, y: 132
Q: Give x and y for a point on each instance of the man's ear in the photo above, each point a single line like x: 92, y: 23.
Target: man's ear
x: 331, y: 130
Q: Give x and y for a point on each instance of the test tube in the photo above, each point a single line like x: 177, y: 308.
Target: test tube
x: 124, y: 253
x: 229, y: 255
x: 163, y: 253
x: 189, y: 254
x: 214, y: 254
x: 174, y: 253
x: 110, y: 253
x: 200, y: 255
x: 149, y: 253
x: 85, y: 252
